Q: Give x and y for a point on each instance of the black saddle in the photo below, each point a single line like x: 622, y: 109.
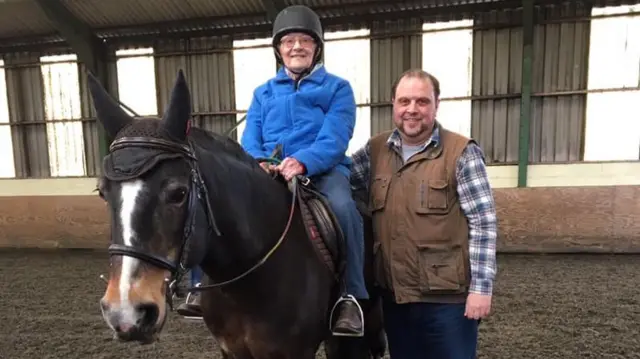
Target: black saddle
x: 322, y: 226
x: 321, y: 223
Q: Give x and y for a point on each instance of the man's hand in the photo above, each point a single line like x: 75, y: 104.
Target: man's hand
x: 478, y: 306
x: 290, y: 167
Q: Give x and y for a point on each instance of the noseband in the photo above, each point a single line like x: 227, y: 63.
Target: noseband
x: 198, y: 194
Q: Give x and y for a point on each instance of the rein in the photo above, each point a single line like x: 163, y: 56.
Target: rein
x: 294, y: 188
x: 266, y: 256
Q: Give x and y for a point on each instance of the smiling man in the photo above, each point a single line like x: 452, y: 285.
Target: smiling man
x: 435, y: 226
x: 311, y: 114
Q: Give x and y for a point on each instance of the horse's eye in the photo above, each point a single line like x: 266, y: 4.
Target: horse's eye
x: 177, y: 195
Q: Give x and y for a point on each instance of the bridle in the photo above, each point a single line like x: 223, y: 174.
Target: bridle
x: 198, y: 195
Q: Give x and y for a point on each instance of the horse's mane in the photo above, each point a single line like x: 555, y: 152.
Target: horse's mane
x: 221, y: 144
x: 243, y: 178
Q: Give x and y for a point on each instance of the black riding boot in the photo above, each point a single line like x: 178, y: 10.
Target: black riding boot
x: 350, y: 322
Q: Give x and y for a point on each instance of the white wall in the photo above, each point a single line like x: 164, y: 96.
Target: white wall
x: 612, y: 121
x: 62, y: 106
x: 137, y: 80
x: 448, y: 55
x: 252, y: 66
x: 7, y: 165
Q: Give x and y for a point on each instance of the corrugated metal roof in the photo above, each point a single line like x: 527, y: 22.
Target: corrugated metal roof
x: 22, y: 18
x: 112, y: 13
x: 118, y: 18
x: 321, y: 3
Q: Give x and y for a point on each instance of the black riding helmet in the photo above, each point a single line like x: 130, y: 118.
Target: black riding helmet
x: 298, y: 18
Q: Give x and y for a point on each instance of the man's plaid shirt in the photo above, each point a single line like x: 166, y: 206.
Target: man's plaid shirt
x: 476, y: 201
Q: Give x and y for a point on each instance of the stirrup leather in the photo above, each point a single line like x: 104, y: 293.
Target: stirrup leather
x: 190, y: 294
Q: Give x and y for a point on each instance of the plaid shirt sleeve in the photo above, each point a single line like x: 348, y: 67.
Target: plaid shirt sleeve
x: 360, y: 171
x: 477, y: 202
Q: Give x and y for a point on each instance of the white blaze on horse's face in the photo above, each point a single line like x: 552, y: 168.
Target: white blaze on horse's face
x: 134, y: 303
x: 128, y: 193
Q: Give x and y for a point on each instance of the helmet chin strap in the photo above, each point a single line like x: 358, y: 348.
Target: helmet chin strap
x: 300, y: 74
x: 305, y: 71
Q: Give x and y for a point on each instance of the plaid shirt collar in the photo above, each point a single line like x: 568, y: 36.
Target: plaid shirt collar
x: 395, y: 141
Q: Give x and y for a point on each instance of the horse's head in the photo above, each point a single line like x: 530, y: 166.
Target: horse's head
x: 152, y: 187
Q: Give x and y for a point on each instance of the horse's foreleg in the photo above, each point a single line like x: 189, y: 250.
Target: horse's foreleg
x: 225, y: 354
x: 237, y: 352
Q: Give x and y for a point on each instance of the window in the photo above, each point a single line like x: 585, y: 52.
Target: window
x: 253, y: 64
x: 62, y: 112
x: 137, y: 80
x: 612, y: 130
x: 452, y: 66
x: 355, y: 68
x: 7, y: 165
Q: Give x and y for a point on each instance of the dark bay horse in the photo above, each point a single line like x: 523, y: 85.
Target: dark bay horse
x: 179, y: 197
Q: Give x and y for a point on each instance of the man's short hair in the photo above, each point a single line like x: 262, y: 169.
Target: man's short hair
x: 417, y: 73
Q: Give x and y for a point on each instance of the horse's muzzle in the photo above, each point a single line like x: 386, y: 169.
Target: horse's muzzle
x: 133, y: 324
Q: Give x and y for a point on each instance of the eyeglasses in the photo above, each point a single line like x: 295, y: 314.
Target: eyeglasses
x: 290, y: 41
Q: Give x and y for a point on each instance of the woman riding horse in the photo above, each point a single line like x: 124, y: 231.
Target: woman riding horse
x: 311, y: 113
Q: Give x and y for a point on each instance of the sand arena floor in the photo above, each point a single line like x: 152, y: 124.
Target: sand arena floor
x: 569, y: 306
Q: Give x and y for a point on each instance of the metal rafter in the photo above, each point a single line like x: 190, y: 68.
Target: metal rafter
x: 273, y: 7
x: 373, y: 10
x: 90, y: 50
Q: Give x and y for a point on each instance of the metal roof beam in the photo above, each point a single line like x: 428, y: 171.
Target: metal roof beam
x: 85, y: 44
x: 273, y: 7
x: 91, y: 51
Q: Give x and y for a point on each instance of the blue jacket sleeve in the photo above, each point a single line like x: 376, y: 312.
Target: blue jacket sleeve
x: 251, y: 139
x: 332, y: 141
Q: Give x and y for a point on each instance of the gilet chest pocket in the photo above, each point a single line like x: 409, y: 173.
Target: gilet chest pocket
x: 379, y: 191
x: 433, y: 196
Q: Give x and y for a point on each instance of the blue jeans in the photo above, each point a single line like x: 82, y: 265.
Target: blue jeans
x: 196, y: 276
x: 429, y: 331
x: 336, y: 188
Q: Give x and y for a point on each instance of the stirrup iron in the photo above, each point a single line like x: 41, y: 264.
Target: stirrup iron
x: 345, y: 298
x: 188, y: 317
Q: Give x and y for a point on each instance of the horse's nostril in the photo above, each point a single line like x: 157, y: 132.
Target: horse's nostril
x: 123, y: 328
x: 149, y: 313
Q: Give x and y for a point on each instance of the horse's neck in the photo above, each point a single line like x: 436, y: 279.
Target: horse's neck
x: 250, y: 209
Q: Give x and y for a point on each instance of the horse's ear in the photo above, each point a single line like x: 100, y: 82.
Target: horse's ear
x: 109, y: 112
x: 177, y: 115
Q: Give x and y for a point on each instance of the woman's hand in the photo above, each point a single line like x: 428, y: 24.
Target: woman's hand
x: 290, y: 167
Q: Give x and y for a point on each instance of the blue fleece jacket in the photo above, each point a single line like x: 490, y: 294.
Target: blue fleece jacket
x: 314, y: 123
